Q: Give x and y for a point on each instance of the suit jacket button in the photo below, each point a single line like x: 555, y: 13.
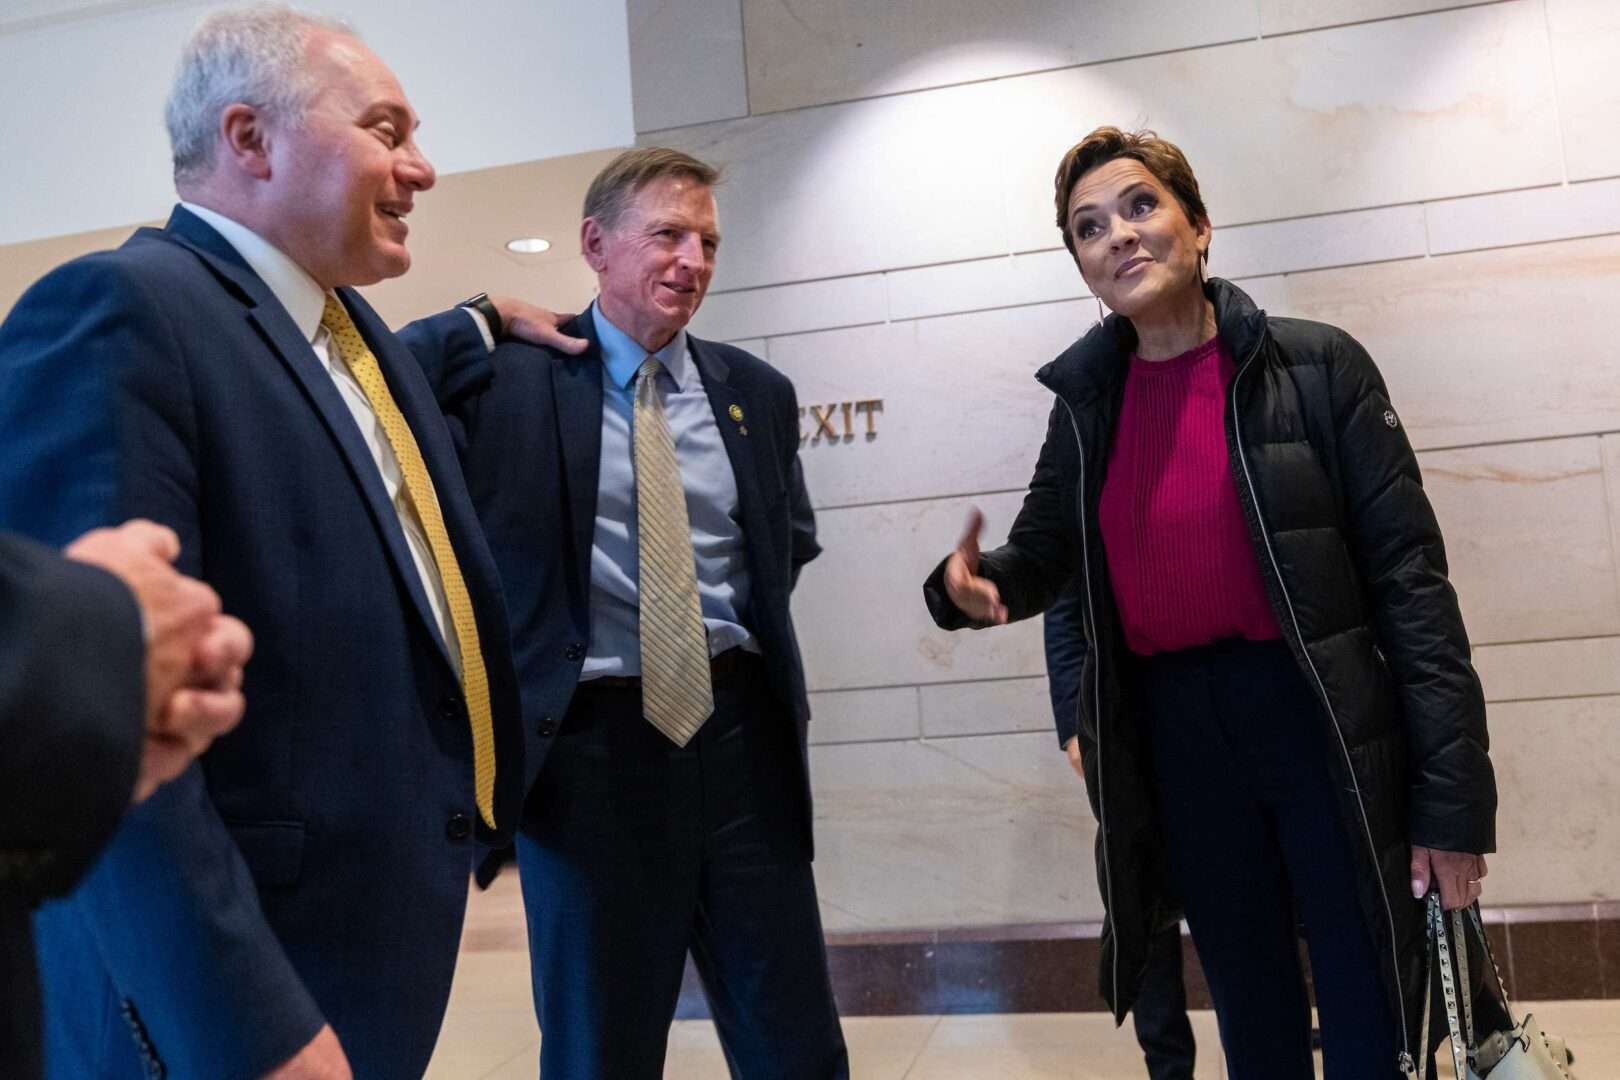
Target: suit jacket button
x: 575, y: 651
x: 459, y: 828
x: 547, y: 727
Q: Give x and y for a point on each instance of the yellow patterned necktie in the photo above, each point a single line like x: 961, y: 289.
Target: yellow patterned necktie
x: 419, y: 493
x: 676, y: 692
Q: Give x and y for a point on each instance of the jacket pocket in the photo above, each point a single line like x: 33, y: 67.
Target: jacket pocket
x: 273, y: 850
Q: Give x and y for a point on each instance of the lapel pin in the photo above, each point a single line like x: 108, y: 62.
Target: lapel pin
x: 735, y: 412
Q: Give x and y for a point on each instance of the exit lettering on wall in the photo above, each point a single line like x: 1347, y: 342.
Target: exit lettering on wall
x: 839, y: 422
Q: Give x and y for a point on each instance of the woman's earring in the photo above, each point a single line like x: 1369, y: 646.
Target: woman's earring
x: 1099, y: 308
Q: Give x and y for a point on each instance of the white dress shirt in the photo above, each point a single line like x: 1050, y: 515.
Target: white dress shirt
x: 304, y: 300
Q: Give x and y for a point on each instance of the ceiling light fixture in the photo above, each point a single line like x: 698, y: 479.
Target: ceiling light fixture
x: 528, y: 245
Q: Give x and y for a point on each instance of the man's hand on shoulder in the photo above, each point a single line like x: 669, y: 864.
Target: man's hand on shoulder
x: 536, y: 325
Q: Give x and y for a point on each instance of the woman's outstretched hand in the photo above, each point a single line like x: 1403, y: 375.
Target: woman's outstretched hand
x: 1456, y: 873
x: 977, y: 597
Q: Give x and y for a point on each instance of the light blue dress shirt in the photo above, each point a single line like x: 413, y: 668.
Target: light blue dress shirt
x: 711, y: 504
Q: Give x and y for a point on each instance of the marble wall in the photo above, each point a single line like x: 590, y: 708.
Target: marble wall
x: 1442, y: 179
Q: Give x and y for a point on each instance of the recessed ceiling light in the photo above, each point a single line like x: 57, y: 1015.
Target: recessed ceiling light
x: 528, y: 245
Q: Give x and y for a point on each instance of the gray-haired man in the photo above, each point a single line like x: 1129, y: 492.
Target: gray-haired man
x: 292, y: 907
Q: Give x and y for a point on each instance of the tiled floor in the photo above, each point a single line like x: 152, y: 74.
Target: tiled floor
x: 490, y: 1032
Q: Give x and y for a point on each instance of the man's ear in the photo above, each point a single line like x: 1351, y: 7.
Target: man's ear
x: 591, y: 236
x: 245, y: 140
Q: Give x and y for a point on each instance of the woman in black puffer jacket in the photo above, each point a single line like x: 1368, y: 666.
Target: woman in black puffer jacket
x: 1278, y: 718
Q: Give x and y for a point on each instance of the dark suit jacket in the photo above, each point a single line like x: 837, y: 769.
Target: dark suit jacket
x: 528, y: 424
x: 314, y: 867
x: 1065, y: 652
x: 72, y: 704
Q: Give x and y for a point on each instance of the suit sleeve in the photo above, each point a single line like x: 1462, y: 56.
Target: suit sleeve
x: 452, y: 354
x: 1065, y: 653
x: 72, y: 711
x: 98, y: 426
x: 1395, y: 540
x: 801, y: 515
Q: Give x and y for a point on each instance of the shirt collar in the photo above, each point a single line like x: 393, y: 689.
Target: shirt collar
x: 623, y: 356
x: 288, y: 282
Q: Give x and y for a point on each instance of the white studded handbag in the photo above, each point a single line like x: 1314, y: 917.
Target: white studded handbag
x: 1524, y: 1052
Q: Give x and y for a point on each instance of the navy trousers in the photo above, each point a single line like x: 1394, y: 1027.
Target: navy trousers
x: 1160, y: 1014
x: 1257, y: 845
x: 635, y: 852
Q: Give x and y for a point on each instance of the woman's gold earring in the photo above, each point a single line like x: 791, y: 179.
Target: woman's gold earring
x: 1099, y: 308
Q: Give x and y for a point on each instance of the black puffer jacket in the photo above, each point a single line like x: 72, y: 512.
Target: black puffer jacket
x: 1355, y: 570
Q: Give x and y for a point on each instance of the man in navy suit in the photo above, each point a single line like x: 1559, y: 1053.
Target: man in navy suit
x: 647, y: 835
x: 293, y: 906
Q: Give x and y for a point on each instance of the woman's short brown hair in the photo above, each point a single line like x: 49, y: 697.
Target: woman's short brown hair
x: 1161, y: 157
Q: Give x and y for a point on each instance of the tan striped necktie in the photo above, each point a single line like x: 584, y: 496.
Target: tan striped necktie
x: 424, y: 501
x: 676, y: 694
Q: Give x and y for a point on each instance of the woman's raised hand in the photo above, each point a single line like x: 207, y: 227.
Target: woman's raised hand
x: 977, y: 597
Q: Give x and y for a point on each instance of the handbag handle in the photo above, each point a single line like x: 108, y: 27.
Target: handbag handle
x: 1440, y: 956
x: 1454, y: 971
x: 1496, y: 969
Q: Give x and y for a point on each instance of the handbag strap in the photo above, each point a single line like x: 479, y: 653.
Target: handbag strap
x: 1459, y: 937
x: 1448, y: 989
x: 1501, y: 984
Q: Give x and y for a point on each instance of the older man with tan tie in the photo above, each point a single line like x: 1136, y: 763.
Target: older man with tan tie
x: 645, y: 505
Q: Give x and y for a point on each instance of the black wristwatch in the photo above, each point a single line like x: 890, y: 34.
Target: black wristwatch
x: 485, y: 307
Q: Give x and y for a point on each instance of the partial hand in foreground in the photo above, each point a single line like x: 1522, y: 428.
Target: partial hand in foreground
x: 1077, y: 761
x: 536, y: 325
x: 201, y: 711
x: 1456, y: 873
x: 977, y: 597
x: 194, y: 654
x: 321, y: 1059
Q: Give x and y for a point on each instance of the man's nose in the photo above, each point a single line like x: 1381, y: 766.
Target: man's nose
x: 690, y: 250
x: 414, y: 170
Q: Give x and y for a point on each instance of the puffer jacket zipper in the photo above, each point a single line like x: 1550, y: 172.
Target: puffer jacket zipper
x: 1405, y: 1061
x: 1096, y: 692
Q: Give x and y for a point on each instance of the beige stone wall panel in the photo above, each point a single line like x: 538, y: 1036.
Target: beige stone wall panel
x: 884, y: 714
x: 992, y: 706
x: 1292, y: 16
x: 809, y: 52
x: 1558, y: 777
x: 1484, y: 347
x: 686, y: 62
x: 1527, y: 534
x: 952, y: 832
x: 1585, y: 38
x: 859, y: 607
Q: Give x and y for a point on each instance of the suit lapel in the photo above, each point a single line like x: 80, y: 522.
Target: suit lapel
x: 576, y: 383
x: 266, y: 313
x: 741, y: 449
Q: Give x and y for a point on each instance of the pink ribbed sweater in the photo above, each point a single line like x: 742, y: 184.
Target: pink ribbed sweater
x: 1183, y: 570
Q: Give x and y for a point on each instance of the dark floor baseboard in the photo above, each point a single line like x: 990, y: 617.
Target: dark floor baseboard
x: 1547, y: 952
